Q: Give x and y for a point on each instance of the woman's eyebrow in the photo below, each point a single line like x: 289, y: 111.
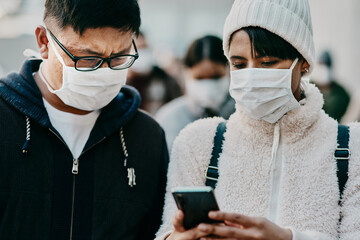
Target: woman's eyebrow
x: 237, y: 57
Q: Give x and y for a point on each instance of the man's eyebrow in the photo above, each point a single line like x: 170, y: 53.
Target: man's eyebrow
x: 91, y: 52
x: 125, y: 51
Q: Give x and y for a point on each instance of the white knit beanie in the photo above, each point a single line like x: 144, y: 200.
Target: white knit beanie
x: 289, y: 19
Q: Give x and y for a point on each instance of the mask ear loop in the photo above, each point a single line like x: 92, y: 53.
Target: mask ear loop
x: 294, y: 63
x: 52, y: 44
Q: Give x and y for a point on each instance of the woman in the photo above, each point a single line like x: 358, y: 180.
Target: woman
x: 206, y: 88
x: 277, y: 172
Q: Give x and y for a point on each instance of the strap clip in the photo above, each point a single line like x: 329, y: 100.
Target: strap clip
x: 211, y: 170
x: 342, y: 154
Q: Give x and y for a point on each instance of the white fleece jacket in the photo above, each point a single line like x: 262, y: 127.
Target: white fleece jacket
x: 307, y: 194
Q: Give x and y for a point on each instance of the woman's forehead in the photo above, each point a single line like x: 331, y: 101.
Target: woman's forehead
x: 240, y: 44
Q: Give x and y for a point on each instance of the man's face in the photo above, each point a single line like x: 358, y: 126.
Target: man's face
x: 101, y: 42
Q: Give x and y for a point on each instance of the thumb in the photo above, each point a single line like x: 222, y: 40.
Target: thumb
x: 178, y: 221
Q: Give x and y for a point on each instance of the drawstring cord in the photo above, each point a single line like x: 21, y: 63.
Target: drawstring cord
x: 26, y: 147
x: 131, y: 171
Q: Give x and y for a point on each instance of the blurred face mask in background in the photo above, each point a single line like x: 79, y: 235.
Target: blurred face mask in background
x: 264, y: 93
x: 207, y: 93
x: 144, y: 63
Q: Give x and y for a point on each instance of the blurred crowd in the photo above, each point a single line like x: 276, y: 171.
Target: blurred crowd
x: 179, y: 91
x: 199, y: 88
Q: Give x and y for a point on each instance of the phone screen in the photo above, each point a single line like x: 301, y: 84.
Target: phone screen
x: 195, y: 202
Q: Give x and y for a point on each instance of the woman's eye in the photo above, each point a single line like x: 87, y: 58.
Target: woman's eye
x: 239, y: 65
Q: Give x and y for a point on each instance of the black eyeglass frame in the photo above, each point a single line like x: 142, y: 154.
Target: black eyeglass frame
x: 108, y: 60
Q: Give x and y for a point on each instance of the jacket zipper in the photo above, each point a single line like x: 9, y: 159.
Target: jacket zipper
x: 276, y: 166
x: 75, y: 171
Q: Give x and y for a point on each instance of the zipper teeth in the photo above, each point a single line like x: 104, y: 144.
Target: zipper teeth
x: 72, y: 209
x: 74, y: 180
x: 59, y: 138
x: 276, y: 174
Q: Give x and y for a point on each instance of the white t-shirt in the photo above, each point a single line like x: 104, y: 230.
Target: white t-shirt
x: 74, y: 129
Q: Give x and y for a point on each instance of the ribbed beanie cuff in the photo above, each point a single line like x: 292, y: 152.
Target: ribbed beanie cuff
x: 289, y: 19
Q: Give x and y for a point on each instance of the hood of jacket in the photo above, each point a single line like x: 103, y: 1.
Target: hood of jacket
x: 21, y: 91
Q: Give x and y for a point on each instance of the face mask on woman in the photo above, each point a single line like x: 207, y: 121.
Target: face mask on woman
x: 207, y: 93
x: 264, y: 93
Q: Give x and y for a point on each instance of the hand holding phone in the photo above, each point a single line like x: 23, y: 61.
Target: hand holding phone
x: 195, y: 202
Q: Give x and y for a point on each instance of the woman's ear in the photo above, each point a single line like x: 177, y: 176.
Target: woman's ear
x: 305, y: 67
x: 42, y: 41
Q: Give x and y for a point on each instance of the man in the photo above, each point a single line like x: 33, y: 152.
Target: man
x: 78, y: 160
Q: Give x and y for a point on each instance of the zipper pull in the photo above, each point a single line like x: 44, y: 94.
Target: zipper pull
x: 131, y: 177
x: 75, y: 168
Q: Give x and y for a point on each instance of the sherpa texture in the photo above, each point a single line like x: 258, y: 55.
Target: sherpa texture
x: 308, y: 200
x: 288, y: 19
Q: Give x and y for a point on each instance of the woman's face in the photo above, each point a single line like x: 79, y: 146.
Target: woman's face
x: 241, y: 57
x: 207, y: 69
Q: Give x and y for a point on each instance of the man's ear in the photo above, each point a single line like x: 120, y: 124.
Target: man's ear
x: 42, y: 41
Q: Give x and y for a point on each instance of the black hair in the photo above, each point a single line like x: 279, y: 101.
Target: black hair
x: 208, y: 47
x: 266, y: 43
x: 83, y: 14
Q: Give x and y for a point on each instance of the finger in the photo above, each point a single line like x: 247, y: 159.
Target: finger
x: 233, y: 217
x: 226, y: 232
x: 194, y: 233
x: 231, y: 224
x: 178, y: 221
x: 216, y: 238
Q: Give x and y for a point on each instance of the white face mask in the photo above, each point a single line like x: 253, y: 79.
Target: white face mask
x: 207, y: 93
x: 144, y: 64
x: 264, y: 93
x: 87, y: 91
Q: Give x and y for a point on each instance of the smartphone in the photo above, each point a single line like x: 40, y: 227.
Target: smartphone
x: 195, y: 202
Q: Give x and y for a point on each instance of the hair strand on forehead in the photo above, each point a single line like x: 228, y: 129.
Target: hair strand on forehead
x: 266, y: 43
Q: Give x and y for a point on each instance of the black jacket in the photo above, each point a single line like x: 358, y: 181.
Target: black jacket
x: 40, y: 198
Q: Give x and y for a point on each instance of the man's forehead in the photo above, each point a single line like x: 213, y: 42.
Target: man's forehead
x: 97, y: 41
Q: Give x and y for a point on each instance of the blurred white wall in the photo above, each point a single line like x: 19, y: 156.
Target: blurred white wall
x: 336, y: 27
x: 176, y: 23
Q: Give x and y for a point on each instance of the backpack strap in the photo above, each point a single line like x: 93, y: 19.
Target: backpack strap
x: 212, y: 173
x: 342, y: 156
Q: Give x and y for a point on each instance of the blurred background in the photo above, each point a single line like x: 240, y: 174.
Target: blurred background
x: 170, y: 26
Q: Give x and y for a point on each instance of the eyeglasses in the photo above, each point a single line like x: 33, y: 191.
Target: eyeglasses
x: 91, y: 63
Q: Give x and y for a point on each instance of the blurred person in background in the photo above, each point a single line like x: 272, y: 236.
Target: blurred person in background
x: 76, y: 153
x: 336, y: 98
x: 156, y: 87
x: 353, y: 110
x: 206, y: 88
